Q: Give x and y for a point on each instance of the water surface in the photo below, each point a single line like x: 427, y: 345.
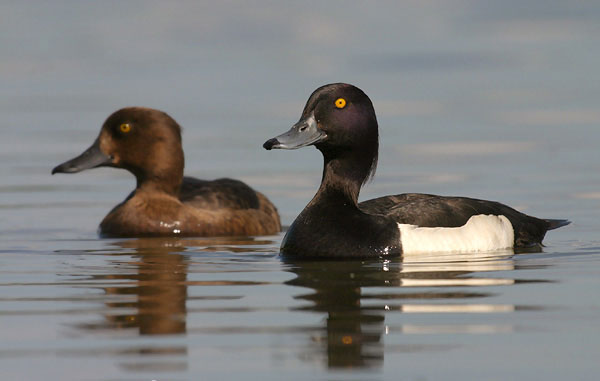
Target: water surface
x: 491, y: 101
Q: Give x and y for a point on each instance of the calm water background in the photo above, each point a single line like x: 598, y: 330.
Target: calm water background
x: 497, y: 100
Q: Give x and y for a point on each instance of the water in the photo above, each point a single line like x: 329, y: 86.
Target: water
x: 497, y: 102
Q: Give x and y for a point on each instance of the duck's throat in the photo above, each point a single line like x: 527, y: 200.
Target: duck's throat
x: 344, y: 175
x: 167, y: 180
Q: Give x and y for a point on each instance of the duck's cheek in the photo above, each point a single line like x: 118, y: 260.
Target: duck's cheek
x: 107, y: 146
x: 116, y: 159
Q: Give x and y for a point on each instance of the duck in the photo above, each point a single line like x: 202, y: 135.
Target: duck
x: 339, y: 120
x: 147, y: 143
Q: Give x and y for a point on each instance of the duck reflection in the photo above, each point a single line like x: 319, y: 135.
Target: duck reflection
x: 357, y: 296
x: 147, y: 291
x: 155, y: 276
x: 352, y: 332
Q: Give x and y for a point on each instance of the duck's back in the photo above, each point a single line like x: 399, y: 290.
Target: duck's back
x: 427, y: 210
x: 233, y: 198
x: 218, y: 194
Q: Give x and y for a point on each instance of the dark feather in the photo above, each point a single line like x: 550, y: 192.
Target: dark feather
x: 217, y: 194
x: 427, y: 210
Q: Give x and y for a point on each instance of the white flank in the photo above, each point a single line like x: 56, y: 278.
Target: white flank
x: 480, y: 233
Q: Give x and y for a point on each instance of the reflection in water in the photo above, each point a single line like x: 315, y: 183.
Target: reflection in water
x: 352, y: 334
x: 157, y: 281
x: 156, y: 278
x: 151, y: 292
x: 355, y: 322
x: 367, y: 304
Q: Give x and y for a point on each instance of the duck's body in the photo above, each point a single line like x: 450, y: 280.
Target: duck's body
x: 340, y: 121
x: 222, y: 207
x: 427, y: 210
x: 148, y: 143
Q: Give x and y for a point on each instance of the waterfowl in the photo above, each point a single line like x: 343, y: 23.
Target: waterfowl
x: 147, y: 143
x: 339, y: 120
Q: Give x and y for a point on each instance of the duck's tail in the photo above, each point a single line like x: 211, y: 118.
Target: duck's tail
x: 555, y: 224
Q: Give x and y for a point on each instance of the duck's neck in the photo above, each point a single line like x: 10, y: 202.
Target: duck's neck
x: 164, y: 176
x: 343, y: 176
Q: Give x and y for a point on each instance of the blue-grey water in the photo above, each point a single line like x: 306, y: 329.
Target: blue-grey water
x: 496, y: 100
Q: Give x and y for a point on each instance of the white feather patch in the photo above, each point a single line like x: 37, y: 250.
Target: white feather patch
x: 480, y: 233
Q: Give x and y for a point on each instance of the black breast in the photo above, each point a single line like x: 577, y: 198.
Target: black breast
x: 322, y: 232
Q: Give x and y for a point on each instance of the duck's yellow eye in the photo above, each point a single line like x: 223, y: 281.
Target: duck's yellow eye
x: 340, y: 103
x: 125, y: 128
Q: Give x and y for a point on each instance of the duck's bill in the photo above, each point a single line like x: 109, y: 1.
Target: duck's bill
x: 91, y: 158
x: 302, y: 134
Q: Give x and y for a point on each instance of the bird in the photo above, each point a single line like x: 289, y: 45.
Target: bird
x: 339, y: 120
x: 147, y: 143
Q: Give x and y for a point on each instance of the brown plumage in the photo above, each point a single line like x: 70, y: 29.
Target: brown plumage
x: 147, y: 143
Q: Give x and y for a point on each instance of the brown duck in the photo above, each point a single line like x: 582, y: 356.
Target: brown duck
x: 147, y: 143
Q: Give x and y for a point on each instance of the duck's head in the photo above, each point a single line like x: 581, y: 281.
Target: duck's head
x: 144, y: 141
x: 339, y: 120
